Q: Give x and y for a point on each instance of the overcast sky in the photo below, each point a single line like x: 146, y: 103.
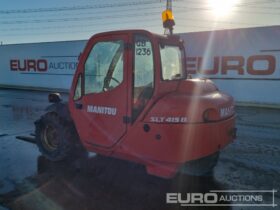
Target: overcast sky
x: 24, y: 21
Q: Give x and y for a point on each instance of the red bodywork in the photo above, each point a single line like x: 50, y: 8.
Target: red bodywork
x: 172, y: 128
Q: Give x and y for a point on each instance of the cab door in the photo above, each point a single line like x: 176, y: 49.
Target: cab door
x: 99, y: 98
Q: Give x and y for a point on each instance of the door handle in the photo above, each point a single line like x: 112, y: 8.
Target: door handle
x: 78, y: 106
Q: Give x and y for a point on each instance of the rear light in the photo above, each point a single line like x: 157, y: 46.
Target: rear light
x: 210, y: 115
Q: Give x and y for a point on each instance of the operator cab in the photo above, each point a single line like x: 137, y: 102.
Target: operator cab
x: 118, y: 74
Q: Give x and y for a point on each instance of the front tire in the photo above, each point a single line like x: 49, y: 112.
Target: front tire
x: 55, y: 137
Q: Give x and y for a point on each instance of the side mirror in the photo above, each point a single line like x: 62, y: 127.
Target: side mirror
x: 54, y: 98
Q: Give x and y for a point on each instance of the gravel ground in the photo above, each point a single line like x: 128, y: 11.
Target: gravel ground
x: 29, y: 181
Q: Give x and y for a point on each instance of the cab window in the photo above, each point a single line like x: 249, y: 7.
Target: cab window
x: 143, y: 73
x: 104, y: 67
x: 171, y: 62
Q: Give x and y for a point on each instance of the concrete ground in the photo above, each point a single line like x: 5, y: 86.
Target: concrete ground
x: 29, y: 181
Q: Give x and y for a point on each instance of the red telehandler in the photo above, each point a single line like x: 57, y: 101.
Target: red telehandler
x: 131, y: 99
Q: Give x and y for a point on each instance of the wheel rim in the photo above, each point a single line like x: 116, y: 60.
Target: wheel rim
x: 50, y: 138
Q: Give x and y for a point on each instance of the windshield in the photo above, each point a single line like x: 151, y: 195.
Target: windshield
x: 171, y: 62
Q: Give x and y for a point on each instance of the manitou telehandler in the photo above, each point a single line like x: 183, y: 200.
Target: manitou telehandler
x: 131, y: 99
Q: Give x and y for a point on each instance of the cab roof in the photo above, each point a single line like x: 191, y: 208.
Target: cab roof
x: 138, y: 31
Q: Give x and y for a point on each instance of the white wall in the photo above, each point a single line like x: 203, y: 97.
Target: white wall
x: 41, y: 65
x: 247, y: 63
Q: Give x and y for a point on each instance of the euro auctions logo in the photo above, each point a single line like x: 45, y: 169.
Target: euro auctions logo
x: 242, y: 198
x: 52, y: 63
x: 255, y: 65
x: 28, y: 65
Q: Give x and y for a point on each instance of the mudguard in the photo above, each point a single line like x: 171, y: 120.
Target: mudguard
x: 62, y: 110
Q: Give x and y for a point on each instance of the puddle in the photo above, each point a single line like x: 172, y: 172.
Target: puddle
x: 6, y: 186
x: 6, y: 106
x: 3, y: 208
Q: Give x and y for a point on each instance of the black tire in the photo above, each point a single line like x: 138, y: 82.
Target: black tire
x: 201, y: 167
x: 55, y: 138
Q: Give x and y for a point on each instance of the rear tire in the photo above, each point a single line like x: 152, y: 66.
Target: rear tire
x: 201, y: 167
x: 55, y: 138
